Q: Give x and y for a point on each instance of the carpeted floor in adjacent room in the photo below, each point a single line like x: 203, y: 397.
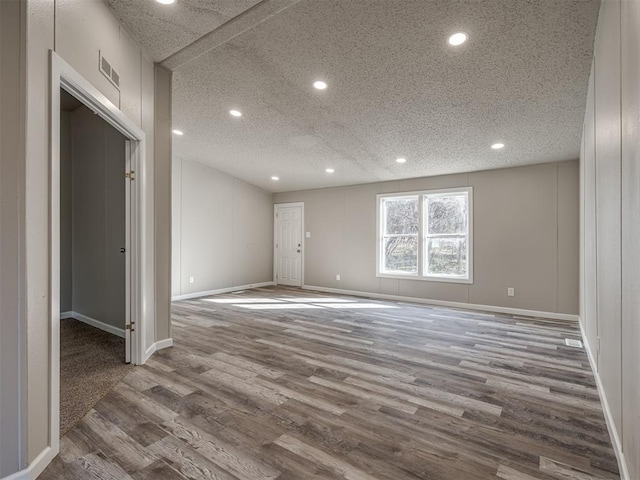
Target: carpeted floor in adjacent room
x: 91, y: 363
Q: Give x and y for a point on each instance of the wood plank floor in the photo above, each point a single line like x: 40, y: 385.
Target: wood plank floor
x: 284, y: 384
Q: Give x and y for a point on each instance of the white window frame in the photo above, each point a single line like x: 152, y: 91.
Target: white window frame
x: 422, y: 237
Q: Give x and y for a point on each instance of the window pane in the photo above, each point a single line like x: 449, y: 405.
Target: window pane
x: 401, y: 215
x: 447, y: 214
x: 401, y: 254
x: 447, y: 256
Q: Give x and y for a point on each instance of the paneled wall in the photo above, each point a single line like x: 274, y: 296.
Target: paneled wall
x: 525, y: 236
x: 610, y: 214
x: 12, y: 228
x: 222, y: 230
x: 77, y: 31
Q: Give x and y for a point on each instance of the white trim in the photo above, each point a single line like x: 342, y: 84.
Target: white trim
x: 94, y: 323
x: 206, y: 293
x: 166, y: 343
x: 420, y: 274
x: 62, y: 75
x: 41, y: 462
x: 611, y: 426
x: 275, y: 239
x: 443, y: 303
x: 35, y: 468
x: 21, y: 475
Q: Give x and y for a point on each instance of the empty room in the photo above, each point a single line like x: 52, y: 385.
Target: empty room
x: 320, y: 239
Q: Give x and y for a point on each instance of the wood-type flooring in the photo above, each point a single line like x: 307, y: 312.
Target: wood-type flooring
x: 278, y: 383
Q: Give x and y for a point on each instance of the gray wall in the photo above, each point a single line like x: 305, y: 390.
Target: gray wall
x: 76, y: 31
x: 92, y: 218
x: 525, y: 236
x: 12, y: 228
x: 610, y: 227
x: 162, y: 200
x: 66, y: 215
x: 222, y: 230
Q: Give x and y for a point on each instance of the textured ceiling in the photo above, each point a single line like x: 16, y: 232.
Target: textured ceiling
x: 162, y: 30
x: 396, y: 88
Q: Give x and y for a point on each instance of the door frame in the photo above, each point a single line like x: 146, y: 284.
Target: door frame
x: 275, y: 239
x: 66, y: 77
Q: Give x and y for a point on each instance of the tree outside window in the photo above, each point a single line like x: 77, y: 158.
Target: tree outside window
x: 426, y: 235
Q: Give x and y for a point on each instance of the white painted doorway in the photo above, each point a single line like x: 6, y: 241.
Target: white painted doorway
x: 138, y: 321
x: 289, y: 244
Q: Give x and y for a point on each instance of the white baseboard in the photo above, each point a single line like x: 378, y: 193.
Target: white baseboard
x: 608, y: 416
x: 167, y: 342
x: 21, y: 475
x: 187, y: 296
x: 443, y: 303
x: 41, y: 462
x: 94, y: 323
x: 36, y: 468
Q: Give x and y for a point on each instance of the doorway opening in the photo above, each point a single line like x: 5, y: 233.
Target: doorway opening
x: 138, y: 281
x: 95, y: 340
x: 288, y: 255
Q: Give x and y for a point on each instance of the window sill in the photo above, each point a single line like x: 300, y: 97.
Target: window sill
x: 468, y: 281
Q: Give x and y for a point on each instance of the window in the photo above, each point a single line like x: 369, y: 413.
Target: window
x: 426, y: 235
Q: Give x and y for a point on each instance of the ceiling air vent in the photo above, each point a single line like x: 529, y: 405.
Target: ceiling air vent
x: 108, y: 71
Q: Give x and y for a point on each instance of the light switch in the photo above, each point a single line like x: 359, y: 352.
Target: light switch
x: 307, y: 235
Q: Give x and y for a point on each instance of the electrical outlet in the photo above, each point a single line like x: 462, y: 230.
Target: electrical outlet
x: 338, y: 276
x: 191, y: 280
x: 511, y: 292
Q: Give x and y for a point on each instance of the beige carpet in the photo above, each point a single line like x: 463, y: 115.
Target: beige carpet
x: 91, y: 363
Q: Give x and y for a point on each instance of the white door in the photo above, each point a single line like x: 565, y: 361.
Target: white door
x: 289, y: 245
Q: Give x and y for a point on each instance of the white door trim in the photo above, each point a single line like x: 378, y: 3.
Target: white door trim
x: 64, y: 76
x: 275, y: 239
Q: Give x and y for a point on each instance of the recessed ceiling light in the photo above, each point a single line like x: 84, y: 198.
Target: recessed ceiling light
x: 457, y: 39
x: 235, y: 113
x: 275, y: 178
x: 401, y: 160
x: 319, y: 85
x: 497, y: 146
x: 329, y: 170
x: 166, y: 2
x: 178, y: 132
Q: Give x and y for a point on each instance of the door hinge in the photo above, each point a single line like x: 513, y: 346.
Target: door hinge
x: 130, y: 326
x: 130, y: 175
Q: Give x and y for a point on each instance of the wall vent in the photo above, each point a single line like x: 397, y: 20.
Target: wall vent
x: 108, y: 71
x: 115, y: 78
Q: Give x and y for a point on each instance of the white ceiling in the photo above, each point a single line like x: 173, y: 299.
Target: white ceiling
x: 396, y: 88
